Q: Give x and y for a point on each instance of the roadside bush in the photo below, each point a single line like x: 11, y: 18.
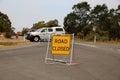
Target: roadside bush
x: 8, y: 35
x: 80, y: 35
x: 104, y: 38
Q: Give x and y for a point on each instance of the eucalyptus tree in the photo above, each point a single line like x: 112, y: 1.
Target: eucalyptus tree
x: 82, y: 21
x: 39, y: 24
x: 75, y: 21
x: 99, y: 16
x: 100, y: 19
x: 52, y: 23
x: 5, y: 23
x: 70, y: 23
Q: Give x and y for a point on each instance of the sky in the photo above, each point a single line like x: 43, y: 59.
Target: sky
x: 24, y: 13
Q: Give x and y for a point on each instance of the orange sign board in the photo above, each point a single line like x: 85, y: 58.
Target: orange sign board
x: 61, y: 45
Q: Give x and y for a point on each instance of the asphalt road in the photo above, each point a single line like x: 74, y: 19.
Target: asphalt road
x: 96, y: 62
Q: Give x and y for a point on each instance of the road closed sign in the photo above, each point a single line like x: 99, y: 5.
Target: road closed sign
x: 61, y: 45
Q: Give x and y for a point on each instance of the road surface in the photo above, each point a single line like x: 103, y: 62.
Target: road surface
x: 96, y: 62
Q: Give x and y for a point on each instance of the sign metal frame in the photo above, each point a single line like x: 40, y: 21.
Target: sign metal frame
x: 67, y: 41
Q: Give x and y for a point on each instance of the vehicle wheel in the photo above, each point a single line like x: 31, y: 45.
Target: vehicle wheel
x: 36, y: 39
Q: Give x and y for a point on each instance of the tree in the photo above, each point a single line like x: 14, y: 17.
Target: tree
x: 99, y: 16
x: 70, y: 23
x: 5, y: 24
x: 82, y: 20
x: 52, y: 23
x: 114, y: 32
x: 100, y: 19
x: 76, y: 20
x: 39, y: 24
x: 82, y: 11
x: 24, y: 31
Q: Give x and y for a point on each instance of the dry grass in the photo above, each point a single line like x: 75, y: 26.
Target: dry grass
x: 12, y: 42
x: 101, y: 42
x: 8, y: 43
x: 110, y: 42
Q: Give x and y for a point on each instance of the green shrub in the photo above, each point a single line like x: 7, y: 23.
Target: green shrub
x: 104, y: 38
x: 8, y: 35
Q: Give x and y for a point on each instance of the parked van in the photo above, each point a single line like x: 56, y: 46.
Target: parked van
x: 44, y: 33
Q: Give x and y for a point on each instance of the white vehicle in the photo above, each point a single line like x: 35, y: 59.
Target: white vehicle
x: 45, y: 33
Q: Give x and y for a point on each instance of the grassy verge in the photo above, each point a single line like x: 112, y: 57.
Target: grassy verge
x: 100, y: 42
x: 5, y: 45
x: 8, y: 43
x: 12, y: 42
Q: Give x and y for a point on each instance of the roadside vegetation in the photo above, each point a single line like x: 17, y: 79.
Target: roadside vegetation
x: 6, y: 28
x: 8, y: 43
x: 87, y: 22
x: 41, y: 24
x: 98, y: 42
x: 4, y: 45
x: 13, y: 43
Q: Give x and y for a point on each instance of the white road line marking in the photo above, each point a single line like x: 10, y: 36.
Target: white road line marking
x: 85, y: 45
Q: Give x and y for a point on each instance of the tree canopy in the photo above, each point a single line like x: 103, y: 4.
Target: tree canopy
x: 83, y: 19
x: 41, y: 24
x: 5, y: 25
